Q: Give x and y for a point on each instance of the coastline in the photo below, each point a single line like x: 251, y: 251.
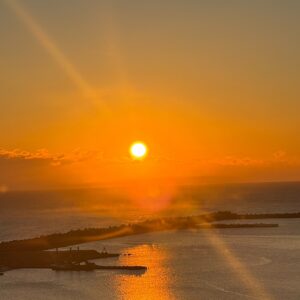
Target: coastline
x: 80, y: 236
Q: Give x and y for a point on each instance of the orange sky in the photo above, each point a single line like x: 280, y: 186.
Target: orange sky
x: 213, y: 90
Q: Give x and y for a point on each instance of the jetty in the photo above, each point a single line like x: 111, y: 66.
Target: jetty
x: 89, y: 266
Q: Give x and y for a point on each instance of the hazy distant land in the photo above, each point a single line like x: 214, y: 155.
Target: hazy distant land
x: 79, y: 236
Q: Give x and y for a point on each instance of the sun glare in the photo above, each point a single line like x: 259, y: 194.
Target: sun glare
x: 138, y: 150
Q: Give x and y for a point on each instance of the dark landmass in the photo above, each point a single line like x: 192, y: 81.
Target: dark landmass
x: 237, y: 225
x: 44, y: 259
x: 32, y: 253
x: 75, y: 237
x: 67, y: 260
x: 268, y: 216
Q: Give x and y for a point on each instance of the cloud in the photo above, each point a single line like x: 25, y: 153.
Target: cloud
x: 44, y: 155
x: 21, y: 154
x: 22, y: 169
x: 43, y: 169
x: 238, y: 161
x: 279, y: 157
x: 40, y: 169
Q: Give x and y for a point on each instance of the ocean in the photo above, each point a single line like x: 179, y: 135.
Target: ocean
x: 236, y: 263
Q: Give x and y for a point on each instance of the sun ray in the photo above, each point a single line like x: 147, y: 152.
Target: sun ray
x: 51, y: 47
x: 243, y: 273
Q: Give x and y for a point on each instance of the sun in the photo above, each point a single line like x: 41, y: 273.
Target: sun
x: 138, y: 150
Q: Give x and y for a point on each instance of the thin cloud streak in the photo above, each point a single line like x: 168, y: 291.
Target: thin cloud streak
x: 44, y: 155
x: 279, y: 157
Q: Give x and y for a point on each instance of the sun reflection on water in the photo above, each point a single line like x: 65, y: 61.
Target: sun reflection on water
x: 155, y: 283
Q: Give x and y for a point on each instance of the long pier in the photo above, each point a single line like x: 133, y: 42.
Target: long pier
x: 92, y: 267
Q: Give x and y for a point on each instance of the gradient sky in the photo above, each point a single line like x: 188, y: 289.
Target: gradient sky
x: 213, y: 88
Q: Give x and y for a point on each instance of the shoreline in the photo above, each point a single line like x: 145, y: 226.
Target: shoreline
x: 80, y: 236
x: 37, y: 253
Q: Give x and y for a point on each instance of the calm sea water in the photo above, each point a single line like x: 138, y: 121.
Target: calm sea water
x: 258, y: 263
